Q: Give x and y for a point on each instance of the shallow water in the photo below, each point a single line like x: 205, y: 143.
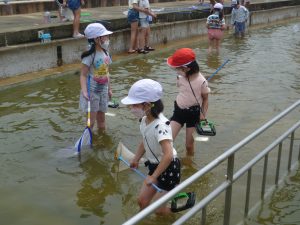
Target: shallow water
x: 44, y: 182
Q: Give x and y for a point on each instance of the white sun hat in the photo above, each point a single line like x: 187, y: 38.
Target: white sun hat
x: 218, y: 6
x: 145, y: 90
x: 95, y: 30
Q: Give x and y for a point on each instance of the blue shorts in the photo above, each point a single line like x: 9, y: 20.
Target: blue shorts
x: 240, y: 27
x: 132, y: 16
x: 74, y: 4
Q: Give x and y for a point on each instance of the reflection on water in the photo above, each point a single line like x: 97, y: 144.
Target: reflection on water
x: 43, y: 181
x: 283, y: 207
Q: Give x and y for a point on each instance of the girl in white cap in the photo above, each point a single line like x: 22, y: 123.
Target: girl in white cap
x: 94, y: 77
x: 215, y: 26
x: 191, y: 103
x: 144, y: 99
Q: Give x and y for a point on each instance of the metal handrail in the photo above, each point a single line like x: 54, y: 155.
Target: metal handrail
x: 229, y: 154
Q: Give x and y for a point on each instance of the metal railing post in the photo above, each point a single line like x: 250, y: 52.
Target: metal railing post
x: 278, y: 163
x: 203, y: 219
x: 228, y: 195
x: 249, y: 176
x: 263, y: 186
x: 299, y: 153
x: 291, y: 151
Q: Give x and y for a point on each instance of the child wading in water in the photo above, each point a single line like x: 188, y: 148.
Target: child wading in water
x: 191, y: 103
x: 94, y: 71
x: 144, y: 99
x: 215, y: 25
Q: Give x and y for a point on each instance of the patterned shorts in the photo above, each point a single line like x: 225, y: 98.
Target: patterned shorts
x: 170, y: 177
x: 99, y: 101
x: 215, y: 34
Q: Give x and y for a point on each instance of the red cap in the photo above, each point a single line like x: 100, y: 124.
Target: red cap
x: 181, y: 57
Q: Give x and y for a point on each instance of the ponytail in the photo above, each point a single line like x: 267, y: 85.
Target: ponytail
x: 91, y: 50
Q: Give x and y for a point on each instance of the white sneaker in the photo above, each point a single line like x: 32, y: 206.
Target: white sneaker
x: 79, y: 35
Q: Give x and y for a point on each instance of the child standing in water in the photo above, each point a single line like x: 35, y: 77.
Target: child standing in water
x: 191, y: 103
x: 239, y: 17
x: 215, y: 25
x: 94, y: 71
x: 144, y: 99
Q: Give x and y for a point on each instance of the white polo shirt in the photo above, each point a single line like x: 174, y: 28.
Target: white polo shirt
x: 152, y: 134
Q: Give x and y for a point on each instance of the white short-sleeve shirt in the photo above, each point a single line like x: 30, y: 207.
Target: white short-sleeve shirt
x: 143, y: 4
x: 152, y: 134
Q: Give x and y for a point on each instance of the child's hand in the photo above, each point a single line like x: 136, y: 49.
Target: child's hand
x: 150, y: 180
x: 109, y: 93
x: 134, y: 164
x: 153, y: 15
x: 85, y: 94
x: 202, y: 117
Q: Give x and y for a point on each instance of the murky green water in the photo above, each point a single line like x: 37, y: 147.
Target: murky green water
x: 43, y: 182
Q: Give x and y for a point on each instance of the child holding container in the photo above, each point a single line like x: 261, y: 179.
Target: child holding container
x: 191, y: 103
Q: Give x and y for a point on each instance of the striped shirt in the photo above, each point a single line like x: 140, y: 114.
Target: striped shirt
x: 214, y: 22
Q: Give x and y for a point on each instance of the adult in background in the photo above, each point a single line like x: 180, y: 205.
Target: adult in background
x: 144, y: 33
x: 133, y: 20
x: 239, y: 17
x: 215, y: 25
x: 75, y: 6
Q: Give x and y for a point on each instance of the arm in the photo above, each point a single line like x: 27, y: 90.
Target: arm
x: 207, y: 23
x: 109, y: 87
x: 246, y: 14
x: 83, y: 76
x: 138, y: 155
x: 232, y: 17
x: 223, y: 24
x: 164, y: 162
x: 204, y: 106
x: 144, y: 10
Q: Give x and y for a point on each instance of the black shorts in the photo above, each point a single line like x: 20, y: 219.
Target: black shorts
x: 189, y: 116
x: 170, y: 177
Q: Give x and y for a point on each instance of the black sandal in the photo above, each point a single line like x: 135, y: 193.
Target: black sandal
x: 148, y: 48
x: 142, y: 51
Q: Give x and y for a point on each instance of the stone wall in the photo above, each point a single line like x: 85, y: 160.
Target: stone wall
x: 36, y: 56
x: 24, y: 7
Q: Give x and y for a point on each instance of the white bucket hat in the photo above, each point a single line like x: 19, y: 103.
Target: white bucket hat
x: 234, y: 2
x: 218, y: 6
x: 145, y: 90
x: 95, y: 30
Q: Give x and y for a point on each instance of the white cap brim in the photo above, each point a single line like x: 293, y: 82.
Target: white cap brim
x: 130, y: 101
x: 106, y: 33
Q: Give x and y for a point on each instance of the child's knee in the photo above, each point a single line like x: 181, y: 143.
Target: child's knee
x: 143, y: 203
